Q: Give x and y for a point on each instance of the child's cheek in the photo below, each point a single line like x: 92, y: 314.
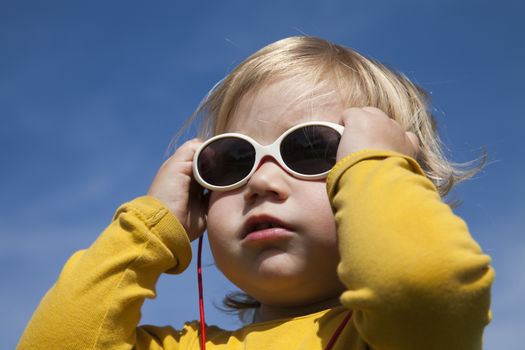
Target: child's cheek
x: 221, y: 209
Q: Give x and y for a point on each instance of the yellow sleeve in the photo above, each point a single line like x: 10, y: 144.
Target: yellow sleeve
x: 415, y: 278
x: 95, y: 304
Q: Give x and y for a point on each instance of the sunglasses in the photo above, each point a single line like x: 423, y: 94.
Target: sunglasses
x: 306, y: 151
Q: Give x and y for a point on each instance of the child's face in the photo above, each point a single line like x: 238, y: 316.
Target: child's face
x: 295, y: 265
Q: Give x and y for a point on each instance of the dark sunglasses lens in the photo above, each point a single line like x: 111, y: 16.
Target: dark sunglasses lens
x: 311, y: 150
x: 226, y: 161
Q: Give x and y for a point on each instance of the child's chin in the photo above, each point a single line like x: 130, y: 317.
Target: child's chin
x: 277, y: 268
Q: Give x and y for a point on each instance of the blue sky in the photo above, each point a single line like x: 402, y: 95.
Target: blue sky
x: 92, y: 92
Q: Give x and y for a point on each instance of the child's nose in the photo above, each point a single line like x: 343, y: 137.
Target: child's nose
x: 269, y: 179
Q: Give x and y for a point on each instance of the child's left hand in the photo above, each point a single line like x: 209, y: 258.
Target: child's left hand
x: 371, y: 128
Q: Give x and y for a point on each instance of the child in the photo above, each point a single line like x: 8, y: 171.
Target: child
x: 368, y: 257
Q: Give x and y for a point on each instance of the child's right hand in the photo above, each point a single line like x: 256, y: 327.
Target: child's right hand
x: 175, y: 186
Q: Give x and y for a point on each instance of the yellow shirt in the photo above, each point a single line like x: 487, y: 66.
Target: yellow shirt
x: 415, y: 278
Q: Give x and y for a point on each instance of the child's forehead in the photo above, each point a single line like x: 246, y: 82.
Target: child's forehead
x: 277, y: 106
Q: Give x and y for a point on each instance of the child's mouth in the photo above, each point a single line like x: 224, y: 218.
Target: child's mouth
x: 267, y: 235
x: 263, y: 228
x: 263, y: 225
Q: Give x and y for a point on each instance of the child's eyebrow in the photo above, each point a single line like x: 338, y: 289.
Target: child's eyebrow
x: 282, y: 125
x: 279, y: 127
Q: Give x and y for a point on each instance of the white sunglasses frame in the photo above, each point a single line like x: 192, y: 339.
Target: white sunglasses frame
x: 261, y: 152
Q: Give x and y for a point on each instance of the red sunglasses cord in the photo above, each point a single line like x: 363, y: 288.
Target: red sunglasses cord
x: 329, y: 346
x: 201, y: 298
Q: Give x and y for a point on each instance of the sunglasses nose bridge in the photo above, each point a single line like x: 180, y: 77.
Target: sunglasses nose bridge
x: 268, y: 153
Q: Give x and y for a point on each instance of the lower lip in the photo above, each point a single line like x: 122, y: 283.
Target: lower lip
x: 266, y: 235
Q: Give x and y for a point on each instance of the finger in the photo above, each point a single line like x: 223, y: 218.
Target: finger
x: 185, y: 152
x: 375, y: 111
x: 180, y: 162
x: 414, y: 141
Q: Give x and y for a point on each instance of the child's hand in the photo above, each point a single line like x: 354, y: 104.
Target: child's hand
x: 175, y: 186
x: 371, y: 128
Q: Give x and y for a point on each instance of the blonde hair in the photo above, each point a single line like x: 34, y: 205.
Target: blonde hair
x: 360, y: 81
